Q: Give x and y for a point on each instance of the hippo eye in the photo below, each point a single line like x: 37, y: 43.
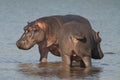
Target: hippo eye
x: 26, y: 31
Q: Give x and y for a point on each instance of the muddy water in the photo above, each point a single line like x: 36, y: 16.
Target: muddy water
x: 17, y: 64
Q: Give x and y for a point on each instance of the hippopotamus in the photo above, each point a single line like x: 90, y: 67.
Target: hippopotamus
x: 77, y: 41
x: 44, y: 32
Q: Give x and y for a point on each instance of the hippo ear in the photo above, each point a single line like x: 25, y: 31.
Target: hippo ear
x: 41, y: 25
x: 97, y: 37
x: 28, y: 22
x: 97, y: 34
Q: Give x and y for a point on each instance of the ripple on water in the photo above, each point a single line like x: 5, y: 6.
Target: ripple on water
x: 57, y: 70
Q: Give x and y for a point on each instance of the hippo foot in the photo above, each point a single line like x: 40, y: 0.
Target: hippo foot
x: 43, y: 60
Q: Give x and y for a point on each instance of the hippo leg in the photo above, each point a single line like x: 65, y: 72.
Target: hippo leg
x: 82, y: 65
x: 66, y: 60
x: 43, y: 53
x: 87, y: 61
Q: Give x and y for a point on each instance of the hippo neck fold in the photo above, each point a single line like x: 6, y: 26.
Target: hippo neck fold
x: 51, y: 29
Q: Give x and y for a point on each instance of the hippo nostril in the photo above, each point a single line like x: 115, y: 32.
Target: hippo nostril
x: 18, y: 44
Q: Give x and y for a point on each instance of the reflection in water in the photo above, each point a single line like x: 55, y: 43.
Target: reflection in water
x: 57, y: 71
x: 109, y: 53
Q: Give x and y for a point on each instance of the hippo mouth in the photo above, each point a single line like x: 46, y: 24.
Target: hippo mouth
x: 97, y: 53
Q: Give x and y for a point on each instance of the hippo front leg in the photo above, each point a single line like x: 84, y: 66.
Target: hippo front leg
x: 87, y: 61
x: 43, y: 53
x: 66, y: 61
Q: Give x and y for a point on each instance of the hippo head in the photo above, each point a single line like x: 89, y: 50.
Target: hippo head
x: 97, y: 52
x: 33, y: 34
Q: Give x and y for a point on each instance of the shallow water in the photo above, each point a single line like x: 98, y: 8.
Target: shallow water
x: 17, y: 64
